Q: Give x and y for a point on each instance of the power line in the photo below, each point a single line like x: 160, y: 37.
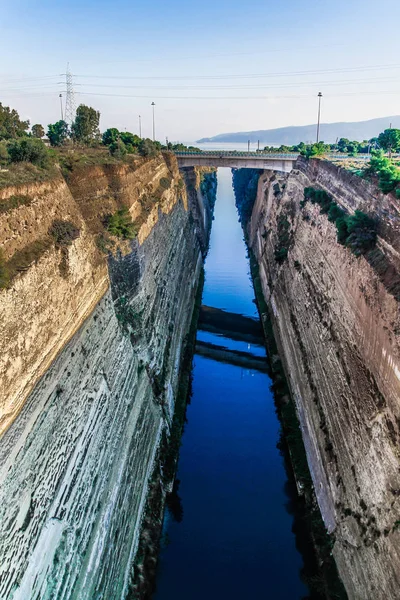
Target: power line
x: 246, y: 75
x: 238, y: 87
x: 359, y: 93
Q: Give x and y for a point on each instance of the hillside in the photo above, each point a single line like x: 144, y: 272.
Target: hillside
x: 360, y: 130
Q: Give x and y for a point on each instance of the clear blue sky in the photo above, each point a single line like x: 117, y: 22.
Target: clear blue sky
x: 124, y: 54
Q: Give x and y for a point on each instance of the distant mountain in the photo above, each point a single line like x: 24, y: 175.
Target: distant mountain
x: 361, y: 130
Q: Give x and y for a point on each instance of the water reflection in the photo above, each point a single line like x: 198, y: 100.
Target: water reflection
x: 229, y: 521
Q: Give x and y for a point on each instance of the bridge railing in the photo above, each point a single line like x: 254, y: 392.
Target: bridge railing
x: 270, y: 155
x: 238, y: 153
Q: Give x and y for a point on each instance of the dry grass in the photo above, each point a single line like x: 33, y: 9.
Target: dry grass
x: 24, y: 258
x: 14, y: 202
x: 25, y: 173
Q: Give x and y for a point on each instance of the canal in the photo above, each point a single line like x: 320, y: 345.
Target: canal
x: 228, y: 533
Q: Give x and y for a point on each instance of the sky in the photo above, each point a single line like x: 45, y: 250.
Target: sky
x: 210, y: 67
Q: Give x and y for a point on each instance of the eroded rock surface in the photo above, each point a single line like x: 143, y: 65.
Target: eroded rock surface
x: 336, y: 318
x: 78, y: 450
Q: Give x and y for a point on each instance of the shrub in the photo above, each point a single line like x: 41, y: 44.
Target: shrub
x: 4, y: 274
x: 362, y: 232
x: 3, y: 153
x: 104, y: 243
x: 147, y: 148
x: 121, y: 225
x: 387, y: 172
x: 117, y: 149
x: 165, y: 183
x: 335, y: 212
x: 64, y: 232
x: 398, y: 193
x: 357, y: 231
x: 29, y: 150
x: 341, y: 230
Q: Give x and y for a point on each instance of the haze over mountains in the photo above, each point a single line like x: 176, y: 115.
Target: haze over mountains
x: 360, y: 130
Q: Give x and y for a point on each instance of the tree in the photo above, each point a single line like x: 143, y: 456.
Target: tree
x: 117, y: 148
x: 37, y: 131
x: 314, y: 150
x: 353, y: 147
x: 29, y: 150
x: 130, y: 139
x: 58, y: 133
x: 342, y: 144
x: 148, y: 148
x: 11, y: 125
x: 110, y: 136
x: 389, y: 140
x: 85, y: 128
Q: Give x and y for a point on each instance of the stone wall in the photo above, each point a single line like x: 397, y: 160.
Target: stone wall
x: 338, y: 327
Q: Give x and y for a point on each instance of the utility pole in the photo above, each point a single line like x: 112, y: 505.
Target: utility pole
x: 248, y: 146
x: 70, y: 108
x: 154, y: 122
x: 258, y: 146
x: 140, y: 127
x: 319, y: 114
x: 62, y: 116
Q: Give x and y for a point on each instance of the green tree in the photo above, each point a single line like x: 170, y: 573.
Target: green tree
x: 11, y: 125
x: 110, y: 136
x: 314, y: 150
x: 120, y: 224
x: 85, y: 128
x: 29, y: 149
x: 342, y: 144
x: 148, y: 148
x: 37, y: 131
x: 130, y: 139
x: 117, y: 148
x: 353, y: 147
x: 389, y: 140
x: 58, y: 133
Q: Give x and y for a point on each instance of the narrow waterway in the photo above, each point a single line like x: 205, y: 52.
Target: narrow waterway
x: 228, y: 533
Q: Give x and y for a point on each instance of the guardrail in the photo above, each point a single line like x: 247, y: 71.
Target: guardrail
x: 237, y: 153
x: 278, y: 155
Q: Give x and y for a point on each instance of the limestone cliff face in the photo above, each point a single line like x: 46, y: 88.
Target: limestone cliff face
x: 337, y: 321
x: 86, y: 398
x: 59, y: 300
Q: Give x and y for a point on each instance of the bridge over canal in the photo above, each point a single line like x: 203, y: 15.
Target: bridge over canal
x: 238, y: 160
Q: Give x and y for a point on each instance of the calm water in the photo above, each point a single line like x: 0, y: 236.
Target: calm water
x: 231, y: 536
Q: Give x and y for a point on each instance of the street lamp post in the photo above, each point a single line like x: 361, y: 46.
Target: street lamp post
x: 319, y: 114
x: 154, y: 122
x: 140, y: 127
x: 62, y: 116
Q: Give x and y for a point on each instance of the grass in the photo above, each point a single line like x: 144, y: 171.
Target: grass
x: 14, y: 202
x: 26, y: 173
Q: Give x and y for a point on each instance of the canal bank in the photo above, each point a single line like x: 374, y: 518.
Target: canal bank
x: 228, y: 528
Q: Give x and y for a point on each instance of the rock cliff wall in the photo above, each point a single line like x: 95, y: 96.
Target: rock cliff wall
x: 90, y: 366
x: 336, y: 319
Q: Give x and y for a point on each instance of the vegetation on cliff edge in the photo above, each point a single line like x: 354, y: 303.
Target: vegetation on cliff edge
x: 358, y: 232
